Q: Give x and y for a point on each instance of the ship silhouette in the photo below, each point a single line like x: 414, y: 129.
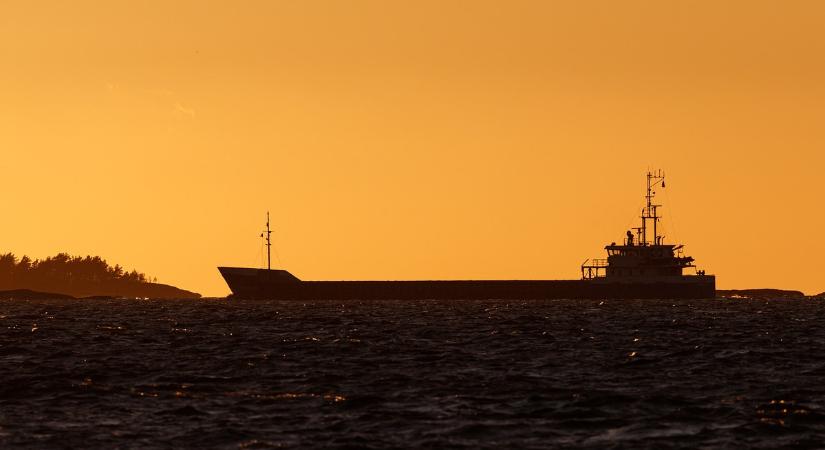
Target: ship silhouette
x: 643, y: 266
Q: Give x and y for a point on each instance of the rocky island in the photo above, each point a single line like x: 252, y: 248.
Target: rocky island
x: 67, y: 276
x: 781, y: 294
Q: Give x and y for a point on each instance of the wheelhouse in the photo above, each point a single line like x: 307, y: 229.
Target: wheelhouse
x: 641, y: 255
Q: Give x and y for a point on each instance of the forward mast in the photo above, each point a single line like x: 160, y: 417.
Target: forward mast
x: 267, y: 235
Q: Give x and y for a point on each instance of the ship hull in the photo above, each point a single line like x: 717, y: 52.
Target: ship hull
x: 281, y: 285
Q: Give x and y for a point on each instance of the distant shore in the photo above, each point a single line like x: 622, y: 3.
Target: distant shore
x: 28, y: 294
x: 67, y: 276
x: 765, y: 293
x: 136, y: 290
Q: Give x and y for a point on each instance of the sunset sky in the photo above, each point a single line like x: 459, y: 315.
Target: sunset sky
x: 413, y: 139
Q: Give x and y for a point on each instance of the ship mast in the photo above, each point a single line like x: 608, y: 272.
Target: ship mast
x: 268, y: 244
x: 649, y: 212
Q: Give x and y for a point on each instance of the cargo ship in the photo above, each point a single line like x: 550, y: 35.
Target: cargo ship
x: 642, y: 266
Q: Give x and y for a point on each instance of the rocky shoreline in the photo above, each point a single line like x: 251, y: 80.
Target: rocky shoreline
x: 768, y: 294
x: 162, y: 291
x: 147, y: 290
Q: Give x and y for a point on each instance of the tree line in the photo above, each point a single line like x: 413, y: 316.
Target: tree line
x: 66, y: 273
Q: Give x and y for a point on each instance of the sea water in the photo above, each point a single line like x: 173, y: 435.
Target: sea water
x: 387, y: 374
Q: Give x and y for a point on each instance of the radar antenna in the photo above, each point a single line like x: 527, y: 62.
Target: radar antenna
x: 649, y: 212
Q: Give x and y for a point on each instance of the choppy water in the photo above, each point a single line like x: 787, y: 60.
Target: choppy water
x: 571, y: 374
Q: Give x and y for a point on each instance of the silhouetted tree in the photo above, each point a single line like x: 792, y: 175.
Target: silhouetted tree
x: 8, y: 263
x: 67, y: 274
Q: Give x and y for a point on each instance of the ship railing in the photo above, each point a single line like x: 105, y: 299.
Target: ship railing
x: 594, y: 268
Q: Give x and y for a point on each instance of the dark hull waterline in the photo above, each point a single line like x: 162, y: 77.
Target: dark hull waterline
x: 281, y: 285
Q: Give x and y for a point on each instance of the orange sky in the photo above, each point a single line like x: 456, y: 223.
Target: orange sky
x: 413, y: 139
